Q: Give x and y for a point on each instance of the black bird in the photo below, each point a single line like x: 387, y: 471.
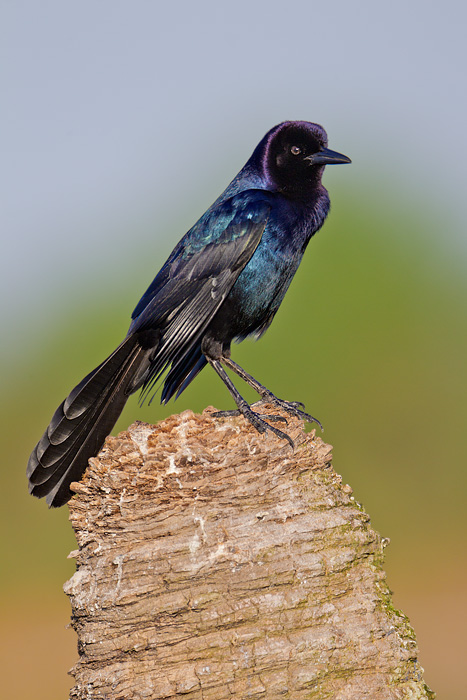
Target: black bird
x: 224, y: 281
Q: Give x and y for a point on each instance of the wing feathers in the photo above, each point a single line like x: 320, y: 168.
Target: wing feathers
x: 197, y: 292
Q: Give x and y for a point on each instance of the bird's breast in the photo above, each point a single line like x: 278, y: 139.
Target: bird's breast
x: 259, y: 290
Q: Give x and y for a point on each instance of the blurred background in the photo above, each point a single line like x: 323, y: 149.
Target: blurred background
x: 122, y: 122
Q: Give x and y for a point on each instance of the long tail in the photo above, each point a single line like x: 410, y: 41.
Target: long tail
x: 82, y: 422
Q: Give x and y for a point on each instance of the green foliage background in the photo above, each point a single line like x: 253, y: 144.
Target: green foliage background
x: 372, y: 336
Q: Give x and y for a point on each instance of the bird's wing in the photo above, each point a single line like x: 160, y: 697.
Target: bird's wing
x: 197, y: 277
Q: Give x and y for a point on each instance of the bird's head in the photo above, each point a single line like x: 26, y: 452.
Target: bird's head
x: 294, y: 155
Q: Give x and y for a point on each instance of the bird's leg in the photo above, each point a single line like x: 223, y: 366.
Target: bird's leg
x: 294, y: 408
x: 243, y: 407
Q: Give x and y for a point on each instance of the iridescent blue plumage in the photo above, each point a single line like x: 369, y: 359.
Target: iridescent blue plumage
x: 224, y: 281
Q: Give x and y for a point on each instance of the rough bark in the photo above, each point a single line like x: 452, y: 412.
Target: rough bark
x: 217, y: 563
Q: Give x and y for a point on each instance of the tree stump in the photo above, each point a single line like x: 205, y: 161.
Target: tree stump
x: 215, y: 563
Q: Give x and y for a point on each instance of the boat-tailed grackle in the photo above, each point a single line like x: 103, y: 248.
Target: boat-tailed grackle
x: 224, y: 281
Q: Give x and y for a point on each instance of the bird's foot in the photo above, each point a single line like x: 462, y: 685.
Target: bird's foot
x: 294, y: 408
x: 257, y: 421
x: 226, y: 414
x: 236, y: 412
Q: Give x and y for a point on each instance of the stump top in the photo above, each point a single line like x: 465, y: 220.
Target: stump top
x: 215, y: 562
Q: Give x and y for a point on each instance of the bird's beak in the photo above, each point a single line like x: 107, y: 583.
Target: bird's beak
x: 327, y: 157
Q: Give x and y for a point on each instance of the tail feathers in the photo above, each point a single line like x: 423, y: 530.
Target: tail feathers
x: 82, y: 422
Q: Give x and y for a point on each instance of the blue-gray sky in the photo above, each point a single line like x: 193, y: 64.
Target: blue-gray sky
x: 119, y: 113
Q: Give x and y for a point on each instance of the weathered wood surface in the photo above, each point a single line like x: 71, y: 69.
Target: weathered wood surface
x: 217, y: 563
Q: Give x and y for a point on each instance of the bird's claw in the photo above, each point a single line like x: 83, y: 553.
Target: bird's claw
x: 263, y: 426
x: 275, y: 419
x: 236, y: 412
x: 297, y: 404
x: 294, y: 408
x: 257, y: 421
x: 226, y: 414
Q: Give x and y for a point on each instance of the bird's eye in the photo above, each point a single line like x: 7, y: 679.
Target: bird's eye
x: 295, y: 150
